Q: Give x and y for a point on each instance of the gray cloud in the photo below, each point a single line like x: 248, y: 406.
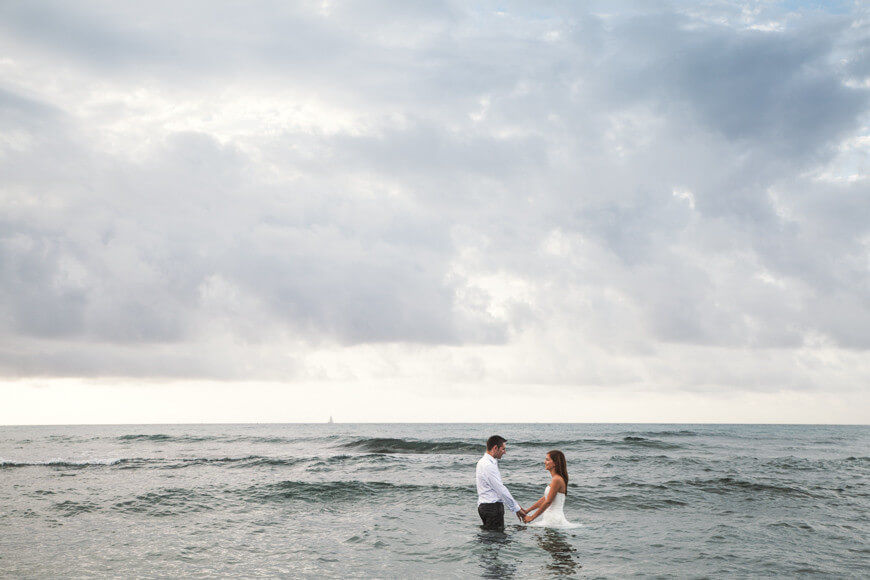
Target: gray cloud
x: 206, y: 186
x: 774, y: 91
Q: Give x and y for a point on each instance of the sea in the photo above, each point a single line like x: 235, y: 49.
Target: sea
x: 399, y: 501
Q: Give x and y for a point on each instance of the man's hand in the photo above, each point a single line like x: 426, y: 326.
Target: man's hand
x: 521, y: 514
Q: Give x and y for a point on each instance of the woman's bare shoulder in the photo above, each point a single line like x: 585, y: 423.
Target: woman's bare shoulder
x: 558, y: 483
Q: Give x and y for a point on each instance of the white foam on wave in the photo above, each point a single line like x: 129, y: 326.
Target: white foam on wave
x: 59, y: 462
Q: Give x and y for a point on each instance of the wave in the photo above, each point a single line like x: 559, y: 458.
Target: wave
x: 634, y: 441
x: 656, y: 459
x: 232, y: 462
x: 726, y: 485
x: 169, y: 502
x: 554, y: 444
x: 398, y: 445
x: 627, y: 501
x: 164, y: 438
x: 676, y: 433
x: 161, y: 437
x: 798, y: 525
x: 73, y: 508
x: 628, y: 441
x: 315, y: 463
x: 792, y: 463
x: 61, y: 463
x: 255, y: 461
x: 340, y: 491
x: 367, y: 462
x: 158, y: 462
x: 391, y: 445
x: 262, y: 439
x: 177, y: 501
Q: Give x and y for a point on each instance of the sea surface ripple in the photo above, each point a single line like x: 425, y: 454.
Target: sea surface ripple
x: 399, y: 500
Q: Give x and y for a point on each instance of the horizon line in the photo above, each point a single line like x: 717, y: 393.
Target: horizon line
x: 432, y: 423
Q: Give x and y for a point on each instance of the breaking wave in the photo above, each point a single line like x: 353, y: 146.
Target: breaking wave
x: 156, y: 462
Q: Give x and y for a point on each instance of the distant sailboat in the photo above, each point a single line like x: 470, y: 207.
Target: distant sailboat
x: 330, y: 420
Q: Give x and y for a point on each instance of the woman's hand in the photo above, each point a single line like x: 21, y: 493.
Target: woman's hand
x: 527, y: 519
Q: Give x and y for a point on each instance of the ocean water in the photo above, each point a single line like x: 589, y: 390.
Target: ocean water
x: 399, y: 501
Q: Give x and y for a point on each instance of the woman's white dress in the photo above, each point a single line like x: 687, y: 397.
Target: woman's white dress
x: 554, y: 517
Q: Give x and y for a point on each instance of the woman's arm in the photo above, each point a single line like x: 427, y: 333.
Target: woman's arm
x: 547, y: 500
x: 537, y: 504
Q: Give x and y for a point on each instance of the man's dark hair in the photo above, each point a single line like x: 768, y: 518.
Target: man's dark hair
x: 495, y: 441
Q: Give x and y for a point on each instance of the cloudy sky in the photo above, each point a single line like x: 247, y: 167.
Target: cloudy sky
x: 600, y: 211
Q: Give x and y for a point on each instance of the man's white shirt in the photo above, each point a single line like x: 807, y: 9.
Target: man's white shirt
x: 490, y: 489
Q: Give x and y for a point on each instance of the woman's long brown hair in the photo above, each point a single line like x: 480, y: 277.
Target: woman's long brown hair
x: 558, y: 459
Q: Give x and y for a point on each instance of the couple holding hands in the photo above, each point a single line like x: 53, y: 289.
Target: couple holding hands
x: 493, y: 496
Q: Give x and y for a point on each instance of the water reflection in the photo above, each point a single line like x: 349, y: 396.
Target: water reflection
x: 561, y: 552
x: 491, y: 543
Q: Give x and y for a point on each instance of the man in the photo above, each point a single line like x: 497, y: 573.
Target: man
x: 492, y: 495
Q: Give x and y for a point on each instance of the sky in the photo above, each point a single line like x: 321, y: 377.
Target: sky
x: 434, y: 211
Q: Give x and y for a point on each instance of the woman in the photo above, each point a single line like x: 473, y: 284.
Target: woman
x: 549, y: 507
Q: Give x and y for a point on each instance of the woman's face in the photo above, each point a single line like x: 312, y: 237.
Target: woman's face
x: 548, y: 463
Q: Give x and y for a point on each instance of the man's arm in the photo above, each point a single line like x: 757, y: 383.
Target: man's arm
x: 494, y: 481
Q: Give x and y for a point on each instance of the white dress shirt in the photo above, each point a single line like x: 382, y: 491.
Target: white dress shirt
x: 490, y: 489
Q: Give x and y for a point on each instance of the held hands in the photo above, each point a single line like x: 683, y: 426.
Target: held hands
x: 524, y: 516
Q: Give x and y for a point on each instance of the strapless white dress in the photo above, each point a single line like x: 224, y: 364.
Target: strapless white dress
x: 554, y: 517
